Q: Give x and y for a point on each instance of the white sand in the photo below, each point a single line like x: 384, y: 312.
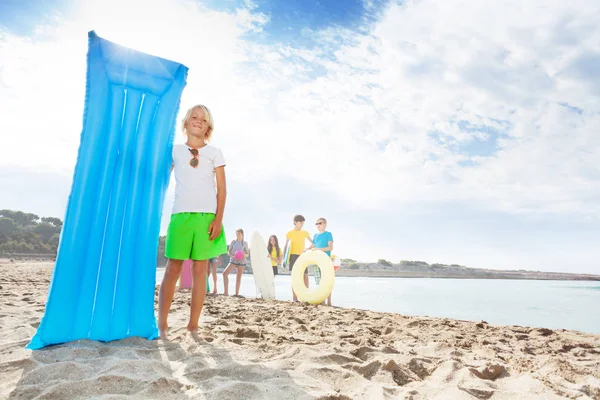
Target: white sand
x: 252, y: 349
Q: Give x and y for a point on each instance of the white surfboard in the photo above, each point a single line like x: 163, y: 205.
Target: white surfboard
x: 261, y: 267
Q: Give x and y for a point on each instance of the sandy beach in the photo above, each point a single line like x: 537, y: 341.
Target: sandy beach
x: 253, y: 349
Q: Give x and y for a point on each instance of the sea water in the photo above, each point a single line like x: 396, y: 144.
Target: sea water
x: 536, y: 303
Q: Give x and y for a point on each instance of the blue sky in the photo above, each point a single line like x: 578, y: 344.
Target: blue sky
x: 451, y: 132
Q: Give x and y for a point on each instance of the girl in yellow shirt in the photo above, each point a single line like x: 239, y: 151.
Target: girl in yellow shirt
x: 274, y: 253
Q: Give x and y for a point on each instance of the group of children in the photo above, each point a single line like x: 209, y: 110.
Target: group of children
x: 296, y: 239
x: 196, y: 227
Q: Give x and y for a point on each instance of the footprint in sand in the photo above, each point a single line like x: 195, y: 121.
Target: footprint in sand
x: 338, y: 359
x: 247, y: 333
x: 366, y: 370
x: 478, y: 389
x: 362, y: 352
x: 334, y: 397
x: 400, y: 374
x: 423, y: 367
x: 489, y: 372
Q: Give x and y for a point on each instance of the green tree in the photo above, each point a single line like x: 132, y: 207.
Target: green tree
x: 53, y: 241
x: 54, y: 221
x: 22, y: 247
x: 22, y: 232
x: 25, y: 236
x: 7, y: 226
x: 21, y: 218
x: 384, y: 262
x: 45, y: 230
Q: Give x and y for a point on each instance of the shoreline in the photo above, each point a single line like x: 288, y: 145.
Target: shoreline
x: 348, y: 272
x: 345, y: 273
x: 392, y: 274
x: 257, y: 349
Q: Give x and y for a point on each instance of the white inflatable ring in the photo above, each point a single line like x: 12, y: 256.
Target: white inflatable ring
x: 323, y: 261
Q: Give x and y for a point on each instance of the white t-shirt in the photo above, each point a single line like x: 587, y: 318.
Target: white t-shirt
x: 195, y: 188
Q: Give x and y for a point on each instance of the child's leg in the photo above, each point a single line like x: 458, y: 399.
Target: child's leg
x: 292, y: 261
x: 226, y: 278
x: 329, y: 299
x: 306, y: 278
x: 294, y: 297
x: 166, y: 292
x: 238, y: 279
x: 198, y: 292
x: 305, y: 283
x: 213, y: 266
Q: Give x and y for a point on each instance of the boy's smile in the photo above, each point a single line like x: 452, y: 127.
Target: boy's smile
x: 197, y: 125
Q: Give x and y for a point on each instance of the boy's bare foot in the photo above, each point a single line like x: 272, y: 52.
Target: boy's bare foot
x: 192, y: 330
x: 195, y: 336
x: 163, y: 334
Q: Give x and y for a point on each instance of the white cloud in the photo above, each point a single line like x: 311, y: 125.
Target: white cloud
x: 350, y: 118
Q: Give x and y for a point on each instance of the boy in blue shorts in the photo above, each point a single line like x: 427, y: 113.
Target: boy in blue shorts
x: 323, y: 240
x: 196, y: 228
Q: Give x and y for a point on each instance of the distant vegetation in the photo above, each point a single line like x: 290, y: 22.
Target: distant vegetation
x: 26, y: 233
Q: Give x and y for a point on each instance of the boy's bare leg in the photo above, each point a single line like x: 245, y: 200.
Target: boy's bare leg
x: 199, y: 269
x: 226, y: 279
x: 294, y: 297
x: 238, y: 279
x: 306, y: 279
x: 305, y: 283
x: 165, y: 294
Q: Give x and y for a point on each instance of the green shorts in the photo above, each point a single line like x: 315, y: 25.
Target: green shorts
x: 188, y: 238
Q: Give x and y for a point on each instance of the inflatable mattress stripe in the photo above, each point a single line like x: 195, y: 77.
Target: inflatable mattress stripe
x: 103, y: 283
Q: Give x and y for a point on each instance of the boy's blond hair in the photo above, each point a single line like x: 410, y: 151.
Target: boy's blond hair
x: 209, y: 119
x: 322, y: 219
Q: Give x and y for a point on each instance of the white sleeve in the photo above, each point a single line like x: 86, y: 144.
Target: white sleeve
x: 219, y: 160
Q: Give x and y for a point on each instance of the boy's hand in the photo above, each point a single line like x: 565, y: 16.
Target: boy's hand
x: 214, y: 229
